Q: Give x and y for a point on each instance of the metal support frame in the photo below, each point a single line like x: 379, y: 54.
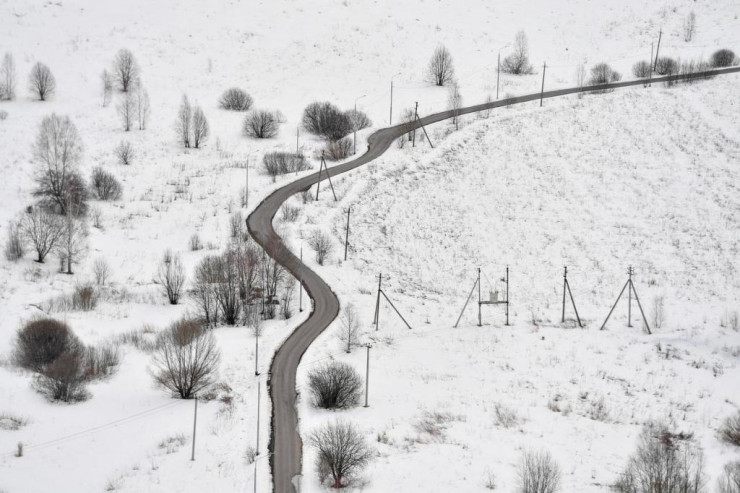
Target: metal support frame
x: 631, y: 286
x: 566, y: 287
x: 328, y: 176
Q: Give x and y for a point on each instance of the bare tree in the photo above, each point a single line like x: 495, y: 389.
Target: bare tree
x: 187, y: 359
x: 730, y: 429
x: 538, y: 473
x: 321, y: 244
x: 142, y: 106
x: 358, y: 119
x: 105, y: 185
x: 126, y: 108
x: 125, y: 70
x: 286, y: 300
x: 342, y: 452
x: 41, y: 81
x: 41, y: 341
x: 204, y: 290
x: 729, y: 481
x: 454, y: 102
x: 58, y: 150
x: 641, y: 69
x: 349, y: 332
x: 64, y: 378
x: 171, y: 275
x: 658, y: 313
x: 326, y: 120
x: 183, y: 124
x: 689, y: 27
x: 254, y: 320
x: 335, y: 385
x: 272, y: 275
x: 125, y: 152
x: 73, y: 241
x: 43, y: 231
x: 441, y: 70
x: 106, y: 81
x: 581, y: 78
x: 261, y: 124
x: 235, y: 99
x: 7, y: 78
x: 14, y: 248
x: 665, y: 461
x: 101, y: 271
x: 517, y: 62
x: 200, y: 127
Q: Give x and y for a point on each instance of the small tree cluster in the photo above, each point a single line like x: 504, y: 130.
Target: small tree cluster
x: 666, y: 66
x: 342, y: 452
x: 517, y: 62
x: 335, y: 385
x: 358, y: 119
x: 722, y: 58
x: 14, y: 247
x: 665, y: 461
x: 41, y: 81
x: 689, y: 27
x: 321, y: 244
x: 105, y: 185
x: 280, y: 163
x: 441, y: 70
x: 729, y: 481
x: 7, y: 78
x: 261, y: 124
x: 171, y: 276
x: 602, y: 73
x: 187, y: 359
x: 235, y: 99
x: 326, y: 120
x: 191, y: 125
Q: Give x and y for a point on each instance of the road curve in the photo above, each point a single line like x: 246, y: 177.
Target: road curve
x: 285, y: 441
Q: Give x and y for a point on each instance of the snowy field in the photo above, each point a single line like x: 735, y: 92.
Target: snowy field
x: 596, y: 184
x: 636, y: 177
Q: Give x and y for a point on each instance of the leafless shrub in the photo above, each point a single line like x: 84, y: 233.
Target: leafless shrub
x: 335, y: 385
x: 12, y: 422
x: 57, y: 151
x: 454, y: 102
x: 105, y: 185
x: 171, y: 275
x: 19, y: 450
x: 602, y: 73
x: 289, y: 213
x: 326, y: 120
x: 641, y: 69
x: 201, y: 129
x: 42, y: 341
x: 204, y: 289
x: 658, y: 311
x: 505, y: 416
x: 41, y: 81
x: 3, y: 115
x: 358, y: 119
x: 63, y: 379
x: 441, y: 70
x: 280, y: 163
x: 172, y: 443
x: 342, y: 452
x: 14, y: 248
x: 665, y: 461
x: 106, y: 81
x: 7, y: 78
x: 101, y: 271
x: 183, y: 123
x: 236, y: 225
x: 339, y: 149
x: 306, y: 196
x: 141, y: 99
x: 125, y: 153
x: 187, y: 359
x: 517, y: 62
x: 689, y: 27
x: 538, y: 473
x: 490, y: 481
x: 666, y: 66
x: 321, y: 244
x: 261, y: 124
x: 729, y: 481
x: 235, y: 99
x: 126, y: 109
x: 722, y: 58
x: 250, y: 454
x: 125, y: 70
x: 85, y: 298
x: 140, y: 339
x: 730, y: 429
x: 43, y: 231
x: 100, y: 362
x: 349, y: 331
x: 97, y: 217
x: 195, y: 242
x: 286, y: 299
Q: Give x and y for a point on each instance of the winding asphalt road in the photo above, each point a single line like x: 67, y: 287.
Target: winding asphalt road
x: 285, y: 441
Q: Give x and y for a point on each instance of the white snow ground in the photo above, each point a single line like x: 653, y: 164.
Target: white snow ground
x: 288, y: 54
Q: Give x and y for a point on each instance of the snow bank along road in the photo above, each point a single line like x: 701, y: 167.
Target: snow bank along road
x: 285, y: 441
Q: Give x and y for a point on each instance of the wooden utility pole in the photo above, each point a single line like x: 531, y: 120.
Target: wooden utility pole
x: 246, y: 186
x: 377, y: 302
x: 480, y: 320
x: 256, y: 352
x: 300, y: 287
x: 657, y: 50
x: 297, y: 133
x: 542, y: 92
x: 367, y: 374
x: 416, y: 117
x: 195, y: 423
x: 498, y: 72
x: 650, y: 67
x: 566, y: 286
x: 346, y: 235
x: 326, y: 169
x: 259, y: 394
x: 631, y: 287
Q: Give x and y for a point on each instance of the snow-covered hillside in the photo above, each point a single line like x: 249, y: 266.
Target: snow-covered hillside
x: 573, y: 171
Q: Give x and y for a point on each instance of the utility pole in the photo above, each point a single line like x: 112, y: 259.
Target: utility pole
x: 542, y: 92
x: 328, y: 176
x: 195, y: 422
x: 297, y: 133
x: 479, y: 300
x: 566, y: 286
x: 629, y: 298
x: 416, y: 117
x: 631, y: 287
x: 246, y: 186
x: 300, y: 288
x: 650, y: 68
x: 507, y: 295
x: 657, y: 50
x: 259, y: 393
x: 377, y: 303
x: 256, y: 352
x: 346, y: 235
x: 498, y: 72
x: 390, y: 117
x: 367, y: 374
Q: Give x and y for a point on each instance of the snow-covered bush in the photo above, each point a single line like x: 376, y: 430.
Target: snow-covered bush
x: 342, y: 452
x: 280, y: 163
x: 321, y: 243
x: 326, y: 120
x: 125, y: 152
x: 538, y: 473
x: 105, y: 185
x: 235, y: 99
x: 261, y: 124
x: 666, y: 66
x: 602, y: 73
x: 722, y: 58
x: 335, y: 385
x: 730, y: 430
x: 41, y: 81
x: 729, y: 481
x: 517, y: 62
x: 641, y: 69
x: 14, y: 248
x: 42, y: 341
x: 171, y: 276
x: 339, y: 149
x: 64, y: 378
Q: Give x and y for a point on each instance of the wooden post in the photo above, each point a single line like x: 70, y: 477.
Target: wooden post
x: 377, y: 303
x: 542, y: 92
x: 416, y: 117
x: 657, y: 50
x: 367, y: 374
x: 195, y: 422
x: 346, y: 235
x: 479, y: 300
